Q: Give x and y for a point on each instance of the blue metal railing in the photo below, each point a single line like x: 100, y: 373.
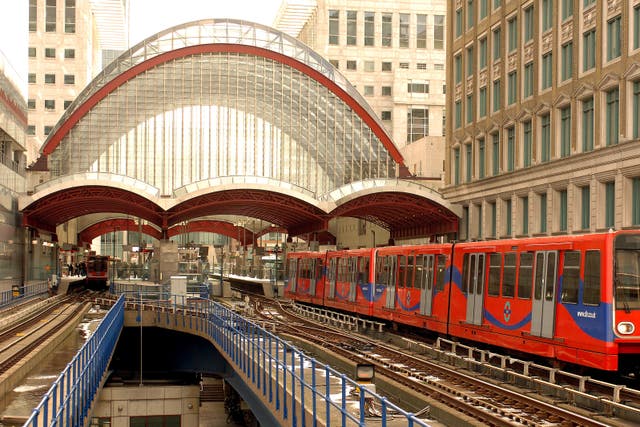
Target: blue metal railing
x: 69, y: 399
x: 289, y: 380
x: 12, y: 296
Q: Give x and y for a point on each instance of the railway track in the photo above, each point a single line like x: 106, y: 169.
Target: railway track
x: 488, y: 402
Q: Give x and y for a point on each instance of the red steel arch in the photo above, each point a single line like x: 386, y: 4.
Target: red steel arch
x: 115, y: 224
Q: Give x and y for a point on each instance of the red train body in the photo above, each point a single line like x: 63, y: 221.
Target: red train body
x: 573, y: 299
x: 97, y: 270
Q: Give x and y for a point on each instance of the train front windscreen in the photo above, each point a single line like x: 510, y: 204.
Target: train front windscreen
x: 627, y: 272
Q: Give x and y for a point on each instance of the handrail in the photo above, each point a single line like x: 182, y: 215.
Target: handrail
x: 277, y: 369
x: 11, y: 296
x: 68, y: 401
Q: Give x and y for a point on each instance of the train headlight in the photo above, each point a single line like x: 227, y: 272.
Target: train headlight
x: 626, y: 328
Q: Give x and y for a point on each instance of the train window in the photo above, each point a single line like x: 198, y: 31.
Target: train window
x: 380, y: 269
x: 591, y: 278
x: 442, y: 269
x: 353, y: 269
x: 331, y: 273
x: 424, y: 271
x: 570, y: 277
x: 495, y: 265
x: 627, y: 279
x: 465, y: 274
x: 411, y: 268
x: 509, y: 275
x: 551, y: 275
x: 363, y: 268
x: 525, y: 275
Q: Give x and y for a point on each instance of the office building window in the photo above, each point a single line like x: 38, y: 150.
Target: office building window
x: 567, y: 61
x: 497, y: 46
x: 421, y: 66
x: 458, y: 22
x: 468, y: 163
x: 69, y: 54
x: 335, y: 63
x: 49, y: 104
x: 511, y: 149
x: 481, y: 158
x: 528, y: 80
x: 50, y: 78
x: 494, y: 218
x: 587, y: 3
x: 512, y: 91
x: 403, y: 30
x: 613, y: 38
x: 458, y: 116
x: 50, y: 16
x: 69, y: 79
x: 495, y: 153
x: 444, y: 123
x: 352, y: 64
x: 547, y: 70
x: 527, y: 144
x: 422, y: 88
x: 610, y: 207
x: 387, y: 29
x: 484, y: 9
x: 585, y: 208
x: 613, y: 116
x: 386, y: 91
x: 512, y: 27
x: 368, y: 90
x: 547, y: 14
x: 589, y: 50
x: 635, y: 201
x: 32, y: 78
x: 564, y: 210
x: 543, y: 212
x: 31, y: 104
x: 421, y: 31
x: 456, y: 166
x: 31, y: 130
x: 47, y: 130
x: 496, y: 4
x: 369, y: 28
x: 469, y: 108
x: 482, y: 53
x: 386, y: 115
x: 636, y: 109
x: 507, y: 219
x: 587, y: 124
x: 470, y: 61
x: 33, y: 17
x: 470, y: 16
x: 528, y: 24
x: 32, y: 52
x: 545, y: 138
x: 70, y: 16
x: 352, y: 27
x: 457, y: 60
x: 334, y: 27
x: 482, y: 102
x: 438, y: 32
x: 49, y: 52
x: 369, y: 66
x: 636, y: 27
x: 66, y: 104
x: 567, y: 9
x: 525, y: 215
x: 565, y: 131
x: 496, y: 95
x: 417, y: 123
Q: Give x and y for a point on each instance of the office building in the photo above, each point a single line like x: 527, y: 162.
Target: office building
x: 543, y: 135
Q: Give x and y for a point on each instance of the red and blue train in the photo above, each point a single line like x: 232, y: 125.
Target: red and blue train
x: 571, y: 299
x: 97, y: 271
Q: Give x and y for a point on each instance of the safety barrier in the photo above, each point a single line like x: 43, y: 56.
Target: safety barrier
x: 299, y: 388
x: 17, y: 293
x: 71, y: 396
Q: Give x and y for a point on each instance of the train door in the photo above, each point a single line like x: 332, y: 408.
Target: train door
x: 313, y: 276
x: 474, y: 286
x: 543, y: 310
x: 293, y: 274
x: 353, y: 277
x: 390, y: 273
x: 331, y: 277
x: 424, y: 282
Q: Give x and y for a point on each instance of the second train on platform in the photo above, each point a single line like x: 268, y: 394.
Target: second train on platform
x: 572, y: 299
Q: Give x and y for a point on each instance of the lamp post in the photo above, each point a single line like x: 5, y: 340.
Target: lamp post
x: 275, y: 272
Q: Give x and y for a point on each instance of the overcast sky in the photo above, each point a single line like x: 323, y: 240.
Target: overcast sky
x: 147, y: 17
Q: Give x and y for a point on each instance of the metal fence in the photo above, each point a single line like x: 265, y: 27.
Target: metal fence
x: 69, y: 399
x: 17, y: 293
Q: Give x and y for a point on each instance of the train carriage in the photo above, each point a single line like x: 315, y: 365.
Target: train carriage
x: 349, y: 281
x: 306, y: 277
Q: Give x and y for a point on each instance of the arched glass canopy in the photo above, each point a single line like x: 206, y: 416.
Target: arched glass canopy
x: 222, y: 98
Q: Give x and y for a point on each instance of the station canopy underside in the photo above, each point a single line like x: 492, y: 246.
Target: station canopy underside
x: 213, y: 100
